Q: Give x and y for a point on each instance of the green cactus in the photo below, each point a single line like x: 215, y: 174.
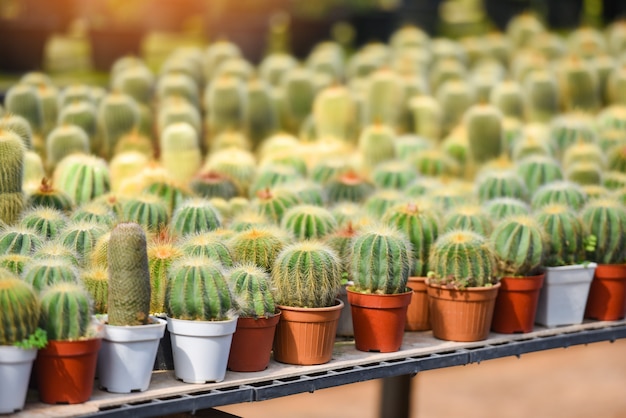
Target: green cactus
x: 382, y: 259
x: 519, y: 245
x: 299, y: 92
x: 341, y: 242
x: 224, y: 100
x: 19, y: 240
x: 177, y: 109
x: 539, y: 170
x: 74, y: 93
x: 435, y: 162
x: 81, y: 237
x: 66, y: 311
x: 616, y: 158
x: 451, y: 195
x: 172, y: 193
x: 564, y: 192
x: 14, y: 262
x: 578, y: 84
x: 327, y: 169
x: 162, y: 253
x: 484, y: 132
x: 584, y: 173
x: 470, y: 217
x: 63, y: 141
x: 251, y: 290
x: 213, y: 184
x: 81, y: 113
x: 584, y: 153
x: 456, y: 146
x: 334, y: 113
x: 614, y: 180
x: 11, y: 173
x: 455, y: 97
x: 82, y: 177
x: 96, y: 282
x: 541, y: 96
x: 48, y: 196
x: 56, y: 249
x: 197, y: 290
x: 500, y: 183
x: 502, y: 207
x: 136, y: 80
x: 99, y: 256
x: 408, y: 145
x: 595, y: 191
x: 422, y: 185
x: 247, y: 219
x: 261, y: 117
x: 18, y: 125
x: 23, y: 100
x: 129, y: 276
x: 19, y: 305
x: 95, y: 211
x: 147, y: 210
x: 381, y: 200
x: 179, y: 142
x: 49, y: 99
x: 47, y: 222
x: 605, y: 219
x: 274, y: 65
x: 274, y: 203
x: 117, y: 115
x: 195, y: 215
x: 427, y: 117
x: 207, y: 244
x: 309, y: 222
x: 462, y: 258
x: 259, y: 245
x: 348, y: 187
x: 238, y: 164
x: 508, y: 97
x: 571, y: 128
x: 272, y: 175
x: 44, y: 272
x: 376, y: 144
x: 393, y: 174
x: 566, y: 234
x: 306, y: 274
x: 177, y: 85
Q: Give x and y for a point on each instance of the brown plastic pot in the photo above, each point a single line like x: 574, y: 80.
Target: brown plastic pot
x: 461, y: 315
x: 306, y: 336
x: 251, y: 348
x: 417, y: 314
x: 66, y: 371
x: 379, y: 320
x: 516, y: 304
x: 607, y: 295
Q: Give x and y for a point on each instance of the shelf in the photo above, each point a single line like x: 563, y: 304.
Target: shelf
x: 420, y: 352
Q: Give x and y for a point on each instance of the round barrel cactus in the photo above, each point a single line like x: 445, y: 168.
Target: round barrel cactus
x: 471, y: 217
x: 212, y: 184
x: 564, y: 192
x: 48, y: 222
x: 14, y: 262
x: 81, y: 237
x: 19, y: 240
x: 82, y: 177
x: 12, y: 200
x: 538, y: 170
x: 51, y: 197
x: 44, y: 272
x: 519, y: 245
x: 484, y: 132
x: 147, y: 210
x: 194, y: 216
x: 95, y: 211
x: 309, y: 222
x: 251, y: 290
x: 605, y: 219
x: 350, y: 187
x: 393, y: 174
x: 63, y: 141
x: 259, y: 245
x: 500, y: 183
x: 565, y: 233
x: 19, y: 305
x: 503, y: 207
x: 376, y: 145
x: 66, y: 311
x: 207, y: 244
x: 274, y: 203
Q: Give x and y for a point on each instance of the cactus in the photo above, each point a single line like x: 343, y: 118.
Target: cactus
x: 81, y: 113
x: 503, y: 207
x: 260, y: 114
x: 259, y: 245
x: 56, y: 249
x: 519, y: 246
x: 539, y: 170
x: 455, y: 97
x: 605, y: 219
x: 565, y: 232
x: 272, y: 175
x: 75, y: 93
x: 224, y: 100
x: 47, y: 196
x: 341, y: 242
x: 176, y: 109
x: 451, y: 195
x: 470, y: 217
x: 96, y: 283
x: 213, y: 184
x: 251, y: 290
x: 288, y: 158
x: 180, y: 142
x: 171, y: 193
x: 435, y: 162
x: 529, y: 145
x: 161, y: 254
x: 274, y: 65
x: 616, y: 158
x: 238, y: 164
x: 564, y: 192
x: 82, y: 237
x: 247, y: 219
x: 194, y: 216
x: 595, y: 191
x: 135, y: 80
x: 22, y: 99
x: 82, y: 177
x: 306, y: 274
x: 382, y: 259
x: 99, y: 256
x: 228, y: 139
x: 95, y: 211
x: 147, y: 210
x: 541, y: 98
x: 614, y: 180
x: 298, y: 92
x: 206, y: 244
x: 376, y: 144
x: 177, y: 85
x: 584, y: 173
x: 66, y: 311
x: 328, y: 169
x: 571, y: 128
x: 408, y: 145
x: 308, y: 222
x: 49, y: 99
x: 616, y: 85
x: 20, y: 126
x: 19, y: 240
x: 584, y: 153
x: 274, y: 203
x: 427, y: 117
x: 129, y: 276
x: 508, y: 97
x: 117, y: 115
x: 47, y: 222
x: 63, y: 141
x: 578, y: 84
x: 421, y: 186
x: 461, y: 259
x: 11, y: 173
x: 350, y: 187
x: 500, y: 183
x: 19, y: 305
x: 484, y: 132
x: 393, y: 174
x: 198, y: 291
x: 14, y: 262
x: 44, y: 272
x: 456, y: 146
x: 379, y: 201
x: 334, y: 113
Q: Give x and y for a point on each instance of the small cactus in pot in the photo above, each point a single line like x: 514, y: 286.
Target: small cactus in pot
x: 250, y: 286
x: 605, y: 220
x: 66, y: 311
x: 519, y: 245
x: 565, y: 232
x: 20, y: 309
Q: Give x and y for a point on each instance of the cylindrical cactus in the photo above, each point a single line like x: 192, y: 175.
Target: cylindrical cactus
x: 162, y: 253
x: 382, y: 258
x: 251, y: 290
x: 224, y: 100
x: 306, y: 274
x: 260, y: 114
x: 19, y: 305
x: 48, y: 196
x: 519, y: 245
x: 96, y: 283
x: 427, y: 117
x: 147, y: 210
x: 177, y: 85
x: 176, y: 110
x: 20, y: 126
x: 376, y: 144
x: 44, y: 272
x: 462, y: 258
x: 22, y: 99
x: 605, y: 219
x: 82, y: 177
x: 129, y: 276
x: 484, y: 132
x: 63, y: 141
x: 19, y: 240
x: 565, y: 232
x: 455, y: 97
x: 309, y: 222
x: 508, y: 96
x: 564, y: 192
x: 136, y: 80
x: 48, y: 222
x: 95, y: 211
x: 180, y: 142
x: 334, y: 113
x: 66, y: 311
x: 197, y: 290
x: 298, y: 92
x: 118, y: 114
x: 259, y: 245
x: 578, y: 84
x: 195, y: 215
x: 81, y: 113
x: 471, y: 217
x: 541, y: 96
x: 11, y: 173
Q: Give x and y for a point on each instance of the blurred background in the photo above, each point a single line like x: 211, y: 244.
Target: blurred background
x: 86, y: 36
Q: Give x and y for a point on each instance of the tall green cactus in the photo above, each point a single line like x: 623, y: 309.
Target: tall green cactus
x: 251, y: 290
x: 129, y: 276
x: 180, y: 142
x: 605, y: 219
x: 334, y: 113
x: 195, y: 215
x: 566, y: 234
x: 225, y: 103
x: 484, y: 132
x: 11, y: 172
x: 20, y: 126
x: 81, y: 113
x: 162, y: 253
x: 261, y: 118
x: 22, y: 99
x: 376, y: 144
x: 19, y: 305
x: 306, y: 274
x: 541, y: 96
x: 66, y: 311
x: 197, y: 290
x: 44, y: 272
x: 519, y: 245
x: 309, y: 222
x: 382, y: 257
x: 118, y: 114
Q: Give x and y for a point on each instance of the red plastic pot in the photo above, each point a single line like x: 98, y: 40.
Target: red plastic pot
x: 251, y: 347
x: 516, y: 304
x: 607, y: 295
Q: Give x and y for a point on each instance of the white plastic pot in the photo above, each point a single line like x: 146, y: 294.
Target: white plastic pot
x: 15, y: 367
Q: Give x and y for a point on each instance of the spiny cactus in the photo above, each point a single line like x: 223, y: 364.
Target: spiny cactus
x: 614, y: 180
x: 539, y: 170
x: 207, y: 244
x: 376, y: 144
x: 251, y: 290
x: 19, y: 305
x: 566, y: 234
x: 95, y: 211
x: 80, y: 113
x: 584, y: 173
x: 307, y: 191
x: 19, y: 240
x: 298, y: 92
x: 117, y: 115
x: 274, y: 203
x: 427, y: 117
x: 194, y: 216
x: 327, y: 169
x: 66, y: 311
x: 22, y: 99
x: 197, y: 290
x: 48, y: 196
x: 213, y: 184
x: 48, y: 222
x: 616, y: 157
x: 99, y: 256
x: 147, y: 210
x: 578, y: 84
x: 584, y: 153
x: 64, y: 140
x: 470, y: 216
x: 44, y: 272
x: 261, y: 118
x: 382, y: 199
x: 348, y: 187
x: 14, y: 262
x: 273, y: 175
x: 382, y: 258
x: 605, y: 219
x: 162, y: 253
x: 177, y: 85
x: 565, y: 192
x: 484, y: 132
x: 519, y: 245
x: 176, y: 109
x: 81, y: 237
x: 571, y: 128
x: 541, y: 96
x: 247, y: 219
x: 500, y: 183
x: 451, y: 195
x: 172, y: 193
x: 136, y: 80
x: 306, y: 274
x: 20, y: 126
x: 259, y: 245
x: 224, y: 100
x: 455, y: 98
x: 508, y: 96
x: 129, y: 276
x: 11, y: 173
x: 393, y: 174
x: 309, y: 222
x: 180, y: 142
x: 238, y: 164
x: 82, y: 177
x: 96, y: 283
x: 503, y: 207
x: 435, y: 162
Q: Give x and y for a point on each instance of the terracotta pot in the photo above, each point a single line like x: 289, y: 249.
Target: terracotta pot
x: 66, y: 371
x: 516, y: 304
x: 251, y: 347
x: 306, y: 336
x: 607, y: 295
x: 417, y: 314
x: 379, y: 320
x: 461, y: 315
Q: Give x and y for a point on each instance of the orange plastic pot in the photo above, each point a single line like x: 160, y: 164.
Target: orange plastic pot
x: 379, y: 320
x: 251, y: 348
x: 306, y: 336
x: 66, y: 371
x: 461, y: 315
x: 607, y: 294
x: 516, y: 304
x: 417, y: 314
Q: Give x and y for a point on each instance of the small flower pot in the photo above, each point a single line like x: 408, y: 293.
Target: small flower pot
x: 201, y: 348
x: 66, y: 370
x: 15, y: 368
x: 344, y: 326
x: 607, y: 295
x: 306, y: 336
x: 516, y: 304
x: 379, y: 320
x: 251, y: 348
x: 417, y: 314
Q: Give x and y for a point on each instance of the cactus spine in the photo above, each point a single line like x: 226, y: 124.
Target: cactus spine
x: 20, y: 309
x: 251, y: 290
x: 66, y: 311
x: 606, y: 220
